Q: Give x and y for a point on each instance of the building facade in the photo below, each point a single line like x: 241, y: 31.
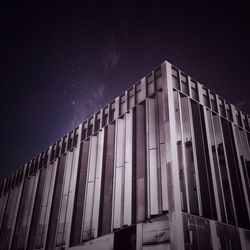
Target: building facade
x: 166, y: 165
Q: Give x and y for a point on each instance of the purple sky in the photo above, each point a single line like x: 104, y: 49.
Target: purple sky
x: 60, y: 64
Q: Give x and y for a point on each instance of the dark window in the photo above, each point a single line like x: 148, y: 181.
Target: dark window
x: 36, y: 210
x: 213, y: 102
x: 97, y: 124
x: 55, y: 207
x: 229, y: 112
x: 53, y: 150
x: 64, y: 144
x: 238, y: 118
x: 32, y: 167
x: 228, y: 237
x: 246, y: 124
x: 188, y: 143
x: 196, y: 233
x: 194, y: 90
x: 16, y: 178
x: 223, y: 170
x: 176, y: 83
x: 125, y: 239
x: 1, y: 189
x: 158, y: 72
x: 131, y: 92
x: 84, y: 132
x: 222, y: 107
x: 140, y: 161
x: 138, y: 87
x: 216, y: 165
x: 204, y: 169
x: 111, y: 115
x: 20, y: 176
x: 41, y: 160
x: 58, y: 147
x: 105, y: 119
x: 70, y: 140
x: 179, y: 151
x: 240, y: 204
x: 90, y: 129
x: 206, y: 98
x: 75, y: 139
x: 184, y: 84
x: 20, y: 215
x: 6, y: 187
x: 46, y: 157
x: 105, y: 214
x: 27, y: 172
x: 79, y: 195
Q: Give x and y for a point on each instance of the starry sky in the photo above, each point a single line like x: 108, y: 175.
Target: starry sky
x: 61, y: 63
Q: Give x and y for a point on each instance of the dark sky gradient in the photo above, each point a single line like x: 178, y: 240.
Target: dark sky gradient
x: 60, y: 64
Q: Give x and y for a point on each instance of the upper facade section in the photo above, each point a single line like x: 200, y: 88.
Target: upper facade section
x: 142, y: 89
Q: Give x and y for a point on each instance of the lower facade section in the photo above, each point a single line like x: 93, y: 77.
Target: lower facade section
x: 199, y: 234
x: 153, y: 234
x: 205, y: 234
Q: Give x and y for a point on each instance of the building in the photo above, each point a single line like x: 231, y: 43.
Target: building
x: 166, y: 165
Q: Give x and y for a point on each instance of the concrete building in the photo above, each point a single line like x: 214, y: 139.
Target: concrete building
x: 166, y: 165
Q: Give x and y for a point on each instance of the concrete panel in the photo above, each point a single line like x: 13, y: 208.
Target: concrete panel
x: 164, y: 182
x: 101, y: 243
x: 87, y: 220
x: 127, y: 205
x: 118, y: 198
x: 141, y: 180
x: 107, y: 179
x: 98, y: 176
x: 156, y: 232
x: 71, y: 195
x: 92, y: 158
x: 119, y: 174
x: 165, y: 246
x: 88, y: 210
x: 162, y: 167
x: 176, y: 225
x: 139, y: 234
x: 151, y: 118
x: 153, y: 182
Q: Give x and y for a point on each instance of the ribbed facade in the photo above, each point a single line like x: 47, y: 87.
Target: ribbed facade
x: 166, y: 165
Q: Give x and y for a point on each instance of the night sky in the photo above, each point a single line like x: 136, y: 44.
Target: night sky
x: 60, y: 64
